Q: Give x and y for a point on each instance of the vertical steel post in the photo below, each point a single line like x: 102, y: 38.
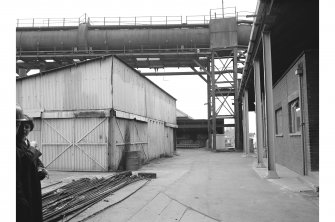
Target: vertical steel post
x: 110, y: 139
x: 269, y: 104
x: 209, y: 130
x: 259, y: 125
x: 213, y: 102
x: 236, y: 105
x: 246, y: 121
x: 300, y: 72
x: 265, y: 127
x: 174, y: 140
x: 243, y: 121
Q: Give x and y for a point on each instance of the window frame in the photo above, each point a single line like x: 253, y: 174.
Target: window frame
x: 279, y: 131
x: 294, y: 112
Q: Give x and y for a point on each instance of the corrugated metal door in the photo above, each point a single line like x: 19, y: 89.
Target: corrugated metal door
x: 78, y: 144
x: 91, y: 144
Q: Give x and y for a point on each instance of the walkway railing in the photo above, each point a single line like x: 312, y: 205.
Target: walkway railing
x: 198, y: 50
x: 217, y: 13
x: 135, y: 21
x: 139, y: 20
x: 51, y: 22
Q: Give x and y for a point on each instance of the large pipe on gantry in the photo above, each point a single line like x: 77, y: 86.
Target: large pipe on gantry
x: 87, y: 37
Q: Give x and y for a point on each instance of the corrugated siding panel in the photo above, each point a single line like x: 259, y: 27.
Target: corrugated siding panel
x: 128, y: 89
x: 144, y: 98
x: 160, y: 106
x: 75, y: 144
x: 57, y: 144
x: 28, y: 94
x: 133, y: 132
x: 87, y: 86
x: 91, y: 138
x: 160, y: 139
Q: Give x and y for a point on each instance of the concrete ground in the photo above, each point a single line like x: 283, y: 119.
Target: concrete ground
x: 200, y: 185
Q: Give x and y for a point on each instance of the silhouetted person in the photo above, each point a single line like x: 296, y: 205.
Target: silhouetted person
x: 28, y: 185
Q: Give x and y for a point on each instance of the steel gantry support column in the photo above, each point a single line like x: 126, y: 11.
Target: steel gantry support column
x: 246, y: 122
x: 259, y: 125
x: 269, y: 104
x: 236, y: 105
x: 213, y: 102
x: 209, y: 107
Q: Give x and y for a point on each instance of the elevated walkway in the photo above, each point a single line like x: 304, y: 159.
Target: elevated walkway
x: 143, y: 42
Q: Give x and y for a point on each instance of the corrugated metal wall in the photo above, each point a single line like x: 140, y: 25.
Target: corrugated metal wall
x: 128, y: 89
x: 81, y: 144
x: 159, y: 106
x: 129, y: 135
x: 86, y: 86
x: 160, y: 139
x: 72, y: 144
x: 143, y: 97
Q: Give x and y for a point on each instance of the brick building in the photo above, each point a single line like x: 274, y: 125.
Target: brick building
x: 297, y: 141
x: 282, y: 71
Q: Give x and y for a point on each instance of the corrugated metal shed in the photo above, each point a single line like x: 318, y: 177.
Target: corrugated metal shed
x: 88, y: 114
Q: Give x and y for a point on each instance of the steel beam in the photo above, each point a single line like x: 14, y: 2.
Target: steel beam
x: 213, y: 102
x: 196, y: 71
x: 259, y: 125
x: 269, y: 104
x: 238, y: 144
x: 246, y: 122
x: 177, y: 73
x: 209, y: 131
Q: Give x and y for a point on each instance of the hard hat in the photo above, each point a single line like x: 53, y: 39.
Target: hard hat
x: 29, y: 120
x: 19, y: 113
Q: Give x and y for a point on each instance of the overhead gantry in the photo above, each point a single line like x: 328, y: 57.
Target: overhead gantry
x: 211, y: 47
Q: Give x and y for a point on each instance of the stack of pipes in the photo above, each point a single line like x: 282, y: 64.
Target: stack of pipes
x: 70, y: 200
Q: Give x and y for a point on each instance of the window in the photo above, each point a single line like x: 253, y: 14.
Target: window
x: 279, y: 121
x: 294, y: 116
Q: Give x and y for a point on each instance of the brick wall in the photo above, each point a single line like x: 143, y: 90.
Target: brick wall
x: 289, y: 147
x: 312, y: 88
